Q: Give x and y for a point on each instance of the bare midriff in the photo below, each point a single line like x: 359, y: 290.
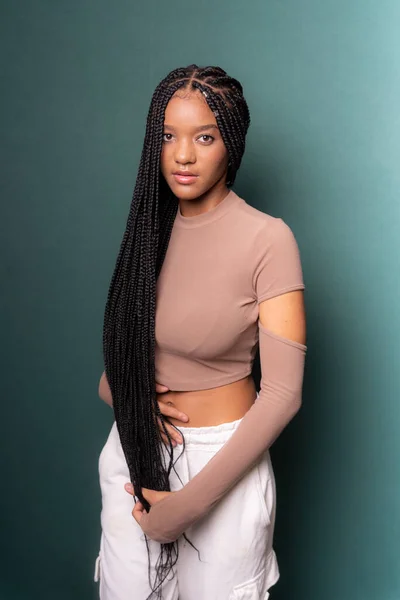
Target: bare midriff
x: 213, y: 406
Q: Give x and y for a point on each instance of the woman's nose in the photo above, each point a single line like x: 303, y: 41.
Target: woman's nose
x: 184, y: 152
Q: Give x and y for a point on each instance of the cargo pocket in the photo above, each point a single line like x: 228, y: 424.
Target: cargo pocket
x: 265, y: 485
x: 251, y: 590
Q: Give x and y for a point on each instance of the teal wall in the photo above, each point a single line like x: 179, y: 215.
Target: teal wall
x: 322, y: 80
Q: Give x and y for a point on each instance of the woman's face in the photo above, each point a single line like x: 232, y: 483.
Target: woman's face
x: 192, y: 144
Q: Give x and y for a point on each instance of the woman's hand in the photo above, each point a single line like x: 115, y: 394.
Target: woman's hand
x: 105, y: 394
x: 152, y: 497
x: 165, y: 408
x: 168, y: 410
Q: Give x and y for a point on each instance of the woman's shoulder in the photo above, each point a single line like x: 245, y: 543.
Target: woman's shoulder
x: 261, y: 223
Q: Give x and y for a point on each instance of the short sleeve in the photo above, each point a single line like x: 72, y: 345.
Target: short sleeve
x: 278, y: 265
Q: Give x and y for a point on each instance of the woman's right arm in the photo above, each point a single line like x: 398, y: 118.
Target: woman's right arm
x: 104, y: 390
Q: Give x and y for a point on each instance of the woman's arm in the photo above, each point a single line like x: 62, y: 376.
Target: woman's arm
x: 282, y: 353
x: 278, y: 284
x: 104, y: 390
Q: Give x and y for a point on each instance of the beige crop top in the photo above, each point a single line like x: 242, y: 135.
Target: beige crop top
x: 218, y: 267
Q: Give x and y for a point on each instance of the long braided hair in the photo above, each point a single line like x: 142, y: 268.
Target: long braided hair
x: 129, y: 319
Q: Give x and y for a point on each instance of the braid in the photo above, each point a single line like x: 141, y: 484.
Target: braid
x: 129, y: 317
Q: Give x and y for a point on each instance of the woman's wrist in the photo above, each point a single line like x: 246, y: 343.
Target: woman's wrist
x: 160, y: 524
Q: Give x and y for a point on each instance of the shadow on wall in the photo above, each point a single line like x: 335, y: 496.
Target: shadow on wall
x: 303, y: 456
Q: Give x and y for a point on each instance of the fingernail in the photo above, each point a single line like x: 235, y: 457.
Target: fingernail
x: 184, y: 418
x: 129, y: 487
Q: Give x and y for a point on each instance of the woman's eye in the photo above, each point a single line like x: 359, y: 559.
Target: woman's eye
x: 205, y: 138
x: 209, y: 138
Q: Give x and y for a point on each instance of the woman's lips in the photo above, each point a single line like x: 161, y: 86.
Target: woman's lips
x: 185, y: 179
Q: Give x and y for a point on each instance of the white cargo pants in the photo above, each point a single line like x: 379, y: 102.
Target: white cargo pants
x: 237, y: 561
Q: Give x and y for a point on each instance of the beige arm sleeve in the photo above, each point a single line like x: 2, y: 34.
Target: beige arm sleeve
x: 282, y: 366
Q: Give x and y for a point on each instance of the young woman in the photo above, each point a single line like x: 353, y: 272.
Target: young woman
x: 202, y: 280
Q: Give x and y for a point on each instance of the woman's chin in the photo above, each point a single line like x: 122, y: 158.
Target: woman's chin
x: 187, y: 192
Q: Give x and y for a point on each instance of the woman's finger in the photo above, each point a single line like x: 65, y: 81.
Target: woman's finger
x: 166, y: 440
x: 174, y: 440
x: 129, y: 488
x: 175, y: 435
x: 137, y: 512
x: 169, y: 411
x: 161, y: 389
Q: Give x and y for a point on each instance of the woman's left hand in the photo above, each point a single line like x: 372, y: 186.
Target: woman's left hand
x: 152, y: 497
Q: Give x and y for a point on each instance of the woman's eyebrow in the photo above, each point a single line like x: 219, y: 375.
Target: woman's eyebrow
x: 201, y: 128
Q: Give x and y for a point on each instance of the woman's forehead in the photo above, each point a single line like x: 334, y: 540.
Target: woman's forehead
x: 189, y: 109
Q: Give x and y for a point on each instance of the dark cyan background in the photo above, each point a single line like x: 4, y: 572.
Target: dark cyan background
x: 322, y: 81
